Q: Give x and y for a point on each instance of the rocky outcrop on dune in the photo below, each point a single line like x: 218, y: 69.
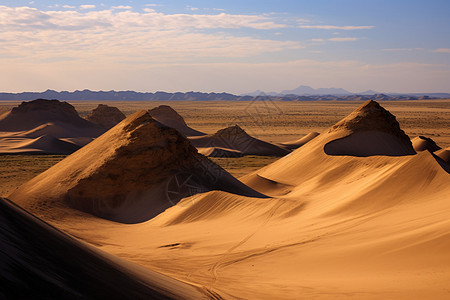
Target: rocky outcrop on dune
x: 32, y: 114
x: 129, y: 174
x: 422, y: 143
x: 369, y: 130
x: 235, y: 138
x: 168, y: 116
x: 105, y: 116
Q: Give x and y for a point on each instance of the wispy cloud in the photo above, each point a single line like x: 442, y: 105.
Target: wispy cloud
x: 121, y: 7
x: 343, y: 39
x: 87, y: 6
x: 442, y: 50
x: 402, y: 49
x: 333, y: 27
x: 107, y: 35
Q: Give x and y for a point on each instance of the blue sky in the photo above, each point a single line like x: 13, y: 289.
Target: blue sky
x: 231, y: 46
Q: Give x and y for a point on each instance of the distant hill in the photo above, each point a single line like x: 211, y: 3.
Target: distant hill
x: 120, y: 95
x: 302, y: 93
x: 307, y: 90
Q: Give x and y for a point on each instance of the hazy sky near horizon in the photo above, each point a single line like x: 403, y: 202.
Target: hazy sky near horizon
x: 225, y: 46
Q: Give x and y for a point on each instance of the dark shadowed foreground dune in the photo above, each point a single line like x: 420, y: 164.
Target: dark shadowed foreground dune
x: 40, y: 262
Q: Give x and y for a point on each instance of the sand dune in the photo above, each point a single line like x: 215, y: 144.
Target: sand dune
x: 368, y: 221
x: 169, y: 117
x: 29, y: 115
x: 45, y: 126
x: 45, y: 144
x: 235, y: 138
x: 443, y: 158
x: 422, y: 143
x: 219, y: 152
x: 444, y: 154
x: 130, y: 174
x: 105, y: 116
x: 39, y: 261
x: 369, y: 130
x: 300, y: 142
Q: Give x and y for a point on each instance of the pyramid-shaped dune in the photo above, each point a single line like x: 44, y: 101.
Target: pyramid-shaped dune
x: 369, y: 130
x: 129, y: 174
x: 168, y: 116
x: 235, y: 138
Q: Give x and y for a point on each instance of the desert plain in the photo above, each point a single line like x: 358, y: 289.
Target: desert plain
x: 355, y: 212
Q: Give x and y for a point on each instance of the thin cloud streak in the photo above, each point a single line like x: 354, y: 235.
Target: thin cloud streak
x: 343, y: 39
x: 333, y: 27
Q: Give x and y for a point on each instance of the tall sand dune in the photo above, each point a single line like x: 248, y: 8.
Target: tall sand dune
x: 105, y: 116
x: 169, y: 117
x: 369, y: 130
x: 129, y: 174
x: 235, y: 138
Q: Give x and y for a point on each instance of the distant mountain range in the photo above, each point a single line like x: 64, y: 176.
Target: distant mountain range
x: 304, y: 90
x: 302, y: 93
